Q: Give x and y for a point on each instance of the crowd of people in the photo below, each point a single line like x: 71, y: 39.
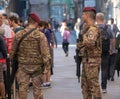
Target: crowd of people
x: 33, y: 43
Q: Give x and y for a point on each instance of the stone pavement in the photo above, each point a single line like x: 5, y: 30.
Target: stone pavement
x: 64, y: 81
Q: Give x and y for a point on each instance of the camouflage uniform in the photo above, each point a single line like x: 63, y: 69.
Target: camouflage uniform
x: 33, y: 53
x: 90, y: 49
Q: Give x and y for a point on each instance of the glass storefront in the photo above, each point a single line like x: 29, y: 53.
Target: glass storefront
x: 60, y: 9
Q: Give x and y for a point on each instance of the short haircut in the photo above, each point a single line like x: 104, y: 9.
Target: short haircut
x: 31, y: 21
x: 100, y: 16
x: 14, y: 18
x: 43, y: 23
x: 112, y: 20
x: 91, y: 14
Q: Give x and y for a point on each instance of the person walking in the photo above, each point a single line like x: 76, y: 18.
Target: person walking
x: 111, y: 67
x: 62, y: 28
x: 33, y: 53
x: 77, y: 27
x: 43, y: 26
x: 3, y: 56
x: 66, y: 40
x: 114, y: 27
x: 90, y: 49
x: 106, y: 49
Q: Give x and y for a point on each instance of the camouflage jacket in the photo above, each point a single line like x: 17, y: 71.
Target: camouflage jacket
x: 33, y: 50
x: 90, y: 46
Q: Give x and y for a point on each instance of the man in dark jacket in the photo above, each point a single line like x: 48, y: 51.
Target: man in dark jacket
x: 106, y: 50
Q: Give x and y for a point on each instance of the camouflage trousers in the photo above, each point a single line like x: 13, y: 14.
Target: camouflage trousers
x: 90, y: 81
x: 24, y: 81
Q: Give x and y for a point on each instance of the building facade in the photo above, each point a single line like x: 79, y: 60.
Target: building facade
x: 63, y: 9
x: 40, y: 7
x: 57, y: 9
x: 18, y: 7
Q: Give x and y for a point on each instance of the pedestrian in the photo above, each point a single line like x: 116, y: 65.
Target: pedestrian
x: 3, y: 56
x: 8, y: 36
x: 43, y: 25
x: 107, y: 48
x: 53, y: 44
x: 111, y: 67
x: 8, y: 32
x: 13, y: 21
x: 90, y: 50
x: 77, y: 27
x: 66, y: 41
x: 78, y: 57
x: 33, y: 56
x: 62, y: 28
x: 114, y: 27
x: 117, y: 58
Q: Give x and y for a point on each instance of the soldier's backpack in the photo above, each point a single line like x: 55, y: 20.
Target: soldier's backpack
x: 105, y: 40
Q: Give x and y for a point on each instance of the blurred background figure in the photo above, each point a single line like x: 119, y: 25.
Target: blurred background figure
x: 66, y: 40
x: 111, y: 67
x: 14, y: 23
x: 114, y: 27
x: 56, y: 25
x: 62, y: 28
x: 3, y: 56
x: 44, y: 28
x: 77, y: 27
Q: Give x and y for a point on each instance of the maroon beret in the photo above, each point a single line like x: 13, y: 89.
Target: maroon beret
x: 35, y: 17
x: 89, y: 9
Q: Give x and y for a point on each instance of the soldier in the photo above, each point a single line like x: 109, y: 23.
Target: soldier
x: 33, y: 53
x: 90, y: 50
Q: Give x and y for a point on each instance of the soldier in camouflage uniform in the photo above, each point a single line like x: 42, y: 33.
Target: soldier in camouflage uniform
x: 33, y: 53
x: 90, y: 50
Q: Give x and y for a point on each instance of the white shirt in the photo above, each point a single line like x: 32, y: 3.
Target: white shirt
x: 7, y: 30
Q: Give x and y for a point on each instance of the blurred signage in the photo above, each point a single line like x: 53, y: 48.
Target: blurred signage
x: 89, y: 3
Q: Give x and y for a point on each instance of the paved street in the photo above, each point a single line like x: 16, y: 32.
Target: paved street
x: 64, y: 81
